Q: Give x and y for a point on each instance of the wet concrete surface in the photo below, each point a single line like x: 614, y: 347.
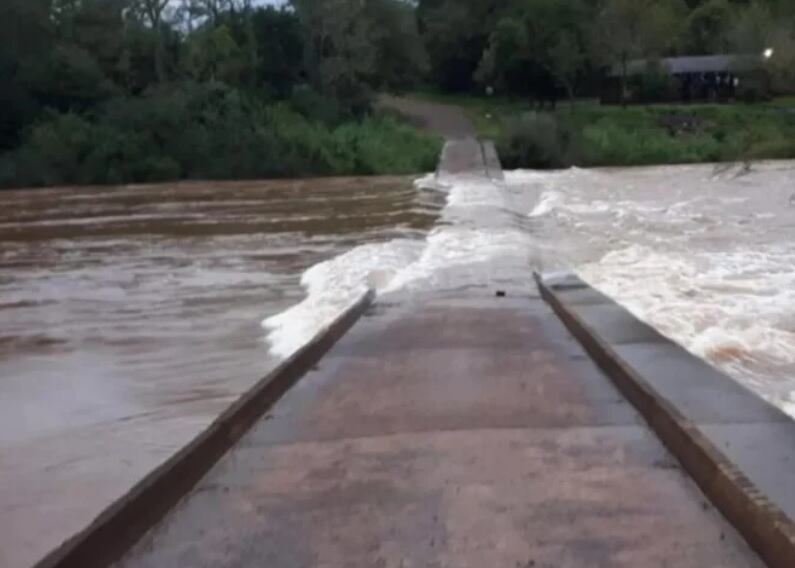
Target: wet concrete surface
x: 448, y: 430
x: 758, y: 438
x: 463, y: 157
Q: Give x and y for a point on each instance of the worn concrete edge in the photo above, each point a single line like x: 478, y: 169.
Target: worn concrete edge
x: 128, y: 518
x: 445, y: 149
x: 766, y: 528
x: 492, y: 161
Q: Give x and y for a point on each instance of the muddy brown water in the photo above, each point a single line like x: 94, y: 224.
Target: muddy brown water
x: 131, y: 316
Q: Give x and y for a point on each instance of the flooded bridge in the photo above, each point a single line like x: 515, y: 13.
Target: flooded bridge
x: 513, y: 423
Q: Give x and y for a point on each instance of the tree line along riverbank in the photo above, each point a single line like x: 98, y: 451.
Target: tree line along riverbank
x: 120, y: 91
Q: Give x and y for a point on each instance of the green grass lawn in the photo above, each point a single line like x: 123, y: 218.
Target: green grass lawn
x: 645, y: 134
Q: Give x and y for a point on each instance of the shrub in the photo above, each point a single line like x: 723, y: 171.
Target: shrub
x: 538, y: 140
x: 655, y: 84
x: 385, y: 145
x: 57, y: 151
x: 208, y: 131
x: 609, y: 144
x: 318, y: 108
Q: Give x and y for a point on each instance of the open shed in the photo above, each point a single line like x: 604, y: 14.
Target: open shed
x: 702, y: 78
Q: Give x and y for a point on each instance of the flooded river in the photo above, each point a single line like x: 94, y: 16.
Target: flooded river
x: 130, y: 317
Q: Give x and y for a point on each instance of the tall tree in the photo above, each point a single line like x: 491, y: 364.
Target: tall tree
x: 565, y: 60
x: 763, y: 26
x: 705, y: 30
x: 152, y: 12
x: 402, y: 59
x: 213, y: 55
x: 537, y: 47
x: 456, y: 33
x: 279, y: 43
x: 27, y: 33
x: 340, y: 60
x: 214, y: 10
x: 631, y: 29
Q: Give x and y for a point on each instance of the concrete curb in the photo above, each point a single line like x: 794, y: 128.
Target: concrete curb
x: 124, y: 522
x: 766, y: 528
x: 492, y: 160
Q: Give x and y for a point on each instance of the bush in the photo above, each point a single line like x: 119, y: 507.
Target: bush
x: 752, y: 90
x: 654, y: 85
x: 538, y: 140
x: 318, y: 108
x: 56, y: 151
x: 385, y: 145
x: 208, y: 131
x: 609, y: 144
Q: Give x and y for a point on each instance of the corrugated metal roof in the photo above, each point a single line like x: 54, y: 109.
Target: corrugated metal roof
x: 695, y: 64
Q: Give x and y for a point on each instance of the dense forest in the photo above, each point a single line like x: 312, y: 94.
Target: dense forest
x: 542, y: 46
x: 112, y: 91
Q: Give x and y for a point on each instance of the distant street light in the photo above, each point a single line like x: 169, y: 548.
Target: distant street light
x: 768, y: 53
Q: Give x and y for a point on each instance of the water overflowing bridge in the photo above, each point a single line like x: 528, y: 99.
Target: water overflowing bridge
x: 483, y: 419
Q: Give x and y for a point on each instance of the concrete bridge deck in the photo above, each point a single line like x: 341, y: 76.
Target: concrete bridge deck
x: 448, y: 431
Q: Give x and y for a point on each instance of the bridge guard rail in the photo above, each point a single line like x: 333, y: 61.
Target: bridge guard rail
x: 766, y: 528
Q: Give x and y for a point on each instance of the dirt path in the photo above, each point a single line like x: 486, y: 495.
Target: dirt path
x: 450, y: 122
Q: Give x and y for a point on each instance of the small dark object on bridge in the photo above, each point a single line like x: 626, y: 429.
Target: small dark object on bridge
x: 501, y: 293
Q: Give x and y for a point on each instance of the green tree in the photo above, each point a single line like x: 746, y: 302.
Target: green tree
x: 213, y: 55
x: 537, y: 47
x: 761, y: 26
x: 566, y: 59
x: 456, y: 33
x: 706, y: 27
x: 151, y: 12
x: 402, y: 59
x: 28, y: 37
x: 280, y: 50
x: 71, y: 79
x: 632, y: 29
x: 339, y: 57
x: 503, y: 64
x: 754, y: 27
x: 215, y: 10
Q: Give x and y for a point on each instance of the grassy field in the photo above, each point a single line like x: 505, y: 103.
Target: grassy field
x: 588, y: 134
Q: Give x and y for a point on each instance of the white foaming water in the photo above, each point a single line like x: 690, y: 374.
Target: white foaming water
x: 334, y: 285
x: 731, y: 308
x: 549, y: 202
x: 706, y: 258
x: 476, y: 227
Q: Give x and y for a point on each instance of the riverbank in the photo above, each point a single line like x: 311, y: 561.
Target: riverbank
x: 212, y: 132
x: 587, y: 134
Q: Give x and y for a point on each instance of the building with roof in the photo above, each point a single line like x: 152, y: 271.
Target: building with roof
x: 688, y: 79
